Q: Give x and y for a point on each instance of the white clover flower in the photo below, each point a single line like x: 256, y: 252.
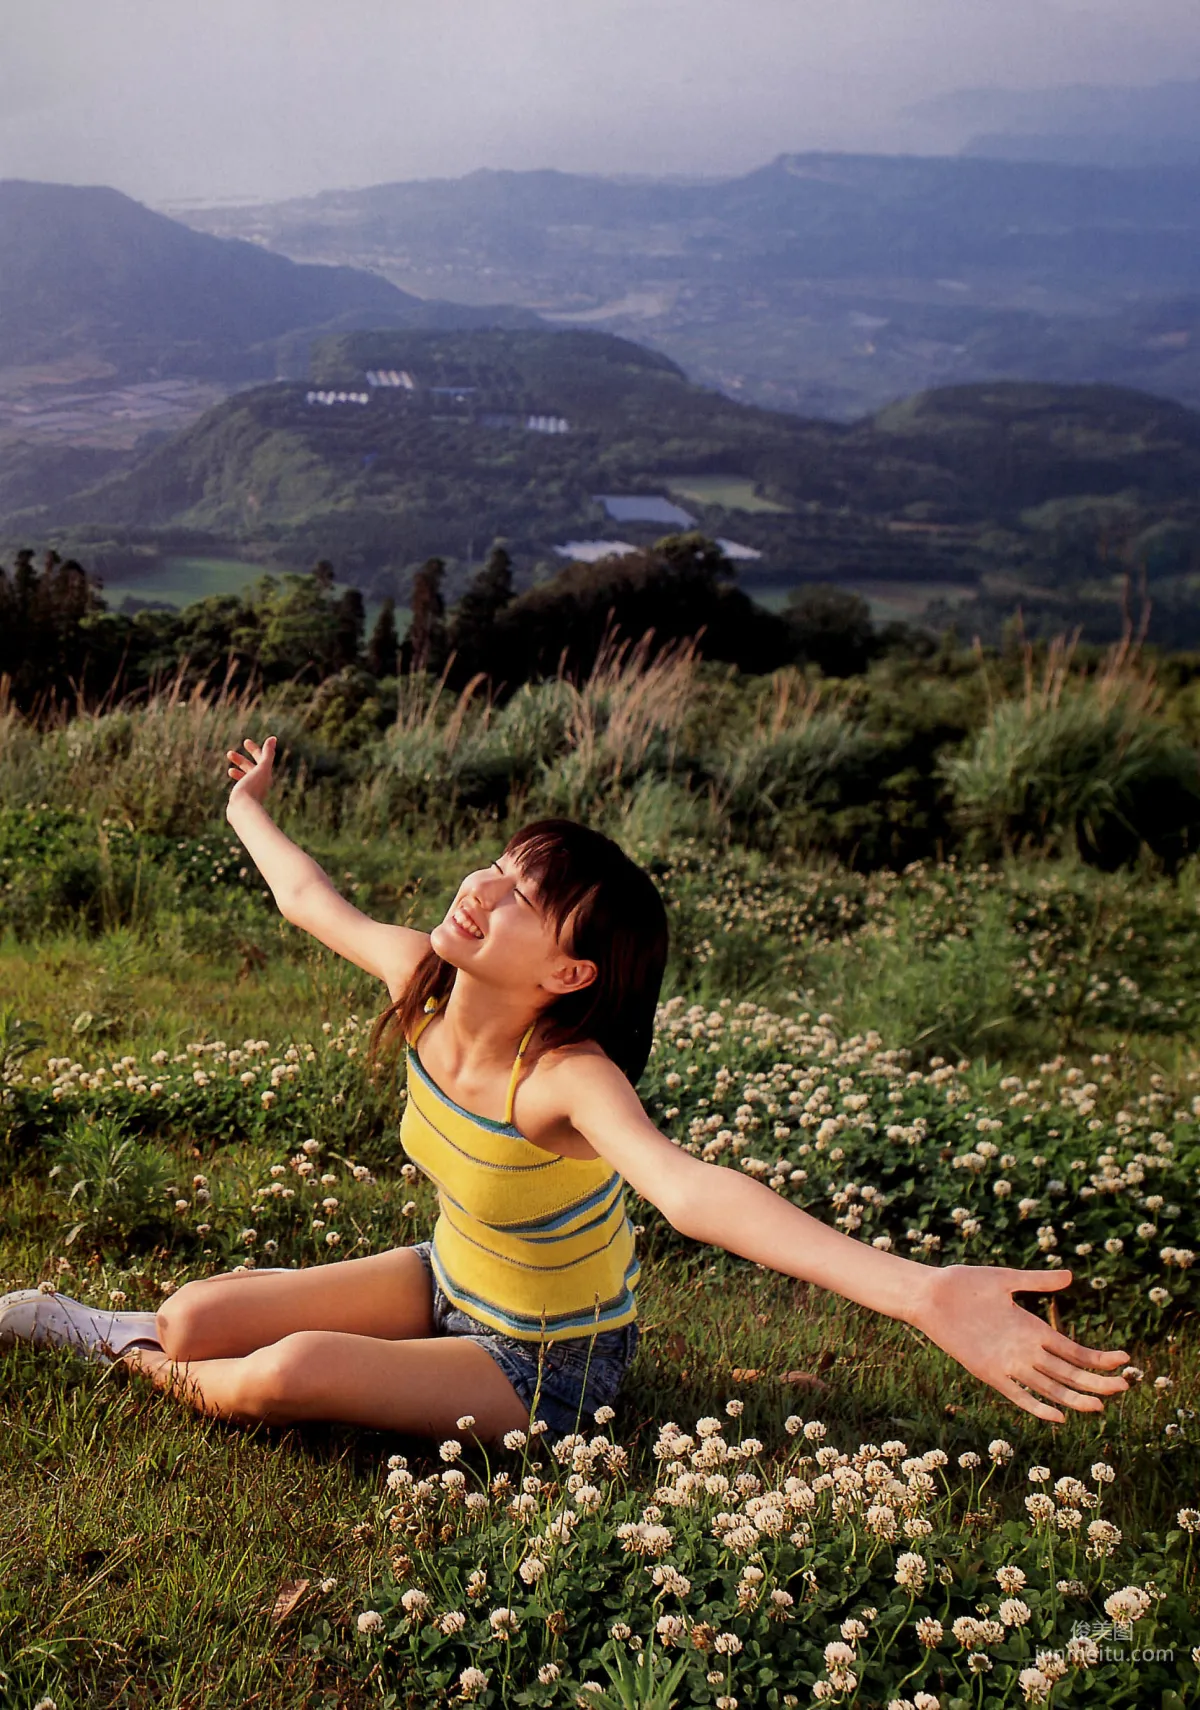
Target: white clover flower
x: 735, y: 1409
x: 504, y: 1623
x: 727, y: 1644
x: 1188, y: 1519
x: 911, y: 1571
x: 999, y: 1450
x: 671, y: 1629
x: 471, y: 1682
x: 814, y: 1431
x: 1128, y: 1604
x: 1014, y: 1612
x: 1034, y: 1685
x: 515, y: 1439
x: 1038, y: 1475
x: 453, y: 1621
x: 604, y: 1415
x: 1102, y: 1473
x: 370, y: 1621
x: 930, y: 1631
x: 1010, y: 1579
x: 450, y: 1450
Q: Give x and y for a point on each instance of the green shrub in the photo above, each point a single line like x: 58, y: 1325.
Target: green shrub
x: 115, y: 1186
x: 1103, y: 777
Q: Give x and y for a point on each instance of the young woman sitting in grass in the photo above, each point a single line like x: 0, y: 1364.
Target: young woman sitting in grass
x: 527, y: 1015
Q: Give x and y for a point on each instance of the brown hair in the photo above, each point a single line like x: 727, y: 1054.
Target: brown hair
x: 604, y: 909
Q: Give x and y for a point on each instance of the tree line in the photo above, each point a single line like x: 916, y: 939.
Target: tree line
x: 60, y: 644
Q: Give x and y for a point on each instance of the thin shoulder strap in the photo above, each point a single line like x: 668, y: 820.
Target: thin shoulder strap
x: 432, y: 1005
x: 516, y: 1072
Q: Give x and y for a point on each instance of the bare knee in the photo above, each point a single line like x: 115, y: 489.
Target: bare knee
x: 283, y: 1381
x: 187, y: 1324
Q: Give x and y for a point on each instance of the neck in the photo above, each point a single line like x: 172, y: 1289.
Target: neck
x: 482, y: 1026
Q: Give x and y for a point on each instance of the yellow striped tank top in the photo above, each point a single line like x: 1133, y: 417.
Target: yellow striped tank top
x: 533, y: 1245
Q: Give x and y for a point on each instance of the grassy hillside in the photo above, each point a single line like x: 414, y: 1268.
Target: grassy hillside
x: 982, y: 1061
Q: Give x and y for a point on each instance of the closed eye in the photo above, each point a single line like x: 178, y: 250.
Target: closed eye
x: 518, y: 892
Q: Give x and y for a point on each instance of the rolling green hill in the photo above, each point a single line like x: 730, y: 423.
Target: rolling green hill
x: 1043, y: 483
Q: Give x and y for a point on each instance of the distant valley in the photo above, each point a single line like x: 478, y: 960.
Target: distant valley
x: 823, y: 284
x: 405, y: 445
x: 173, y: 398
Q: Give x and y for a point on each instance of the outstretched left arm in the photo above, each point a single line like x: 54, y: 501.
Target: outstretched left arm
x: 968, y: 1310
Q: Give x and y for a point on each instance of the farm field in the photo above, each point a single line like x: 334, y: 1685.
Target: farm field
x: 982, y: 1061
x: 180, y: 581
x: 901, y: 602
x: 733, y: 492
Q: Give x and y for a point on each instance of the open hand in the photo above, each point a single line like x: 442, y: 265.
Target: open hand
x: 970, y: 1312
x: 252, y: 770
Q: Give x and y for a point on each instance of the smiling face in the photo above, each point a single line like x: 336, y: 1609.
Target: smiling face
x: 497, y: 931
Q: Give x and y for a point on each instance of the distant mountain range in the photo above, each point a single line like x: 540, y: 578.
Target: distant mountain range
x: 1081, y: 124
x: 822, y: 284
x: 90, y: 274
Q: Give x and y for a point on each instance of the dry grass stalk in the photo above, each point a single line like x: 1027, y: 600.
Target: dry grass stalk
x: 631, y: 696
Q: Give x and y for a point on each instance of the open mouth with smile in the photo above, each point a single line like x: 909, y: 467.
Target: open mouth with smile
x: 464, y: 921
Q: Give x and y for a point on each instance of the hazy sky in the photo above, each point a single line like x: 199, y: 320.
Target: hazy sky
x: 223, y: 98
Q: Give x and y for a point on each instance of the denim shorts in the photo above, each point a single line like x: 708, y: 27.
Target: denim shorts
x: 577, y: 1375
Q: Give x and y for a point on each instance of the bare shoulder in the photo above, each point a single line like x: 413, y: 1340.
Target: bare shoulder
x: 564, y: 1090
x: 567, y: 1073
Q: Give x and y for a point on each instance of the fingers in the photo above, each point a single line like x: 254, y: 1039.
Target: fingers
x: 254, y: 756
x: 1027, y: 1402
x: 1036, y: 1282
x: 1081, y: 1356
x: 1064, y: 1394
x: 1092, y: 1382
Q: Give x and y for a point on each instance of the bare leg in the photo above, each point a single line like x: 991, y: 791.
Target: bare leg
x: 387, y: 1295
x: 421, y: 1386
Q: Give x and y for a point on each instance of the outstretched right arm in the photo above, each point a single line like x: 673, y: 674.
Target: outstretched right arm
x: 303, y: 890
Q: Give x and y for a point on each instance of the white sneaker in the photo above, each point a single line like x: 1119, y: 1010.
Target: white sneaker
x: 56, y: 1321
